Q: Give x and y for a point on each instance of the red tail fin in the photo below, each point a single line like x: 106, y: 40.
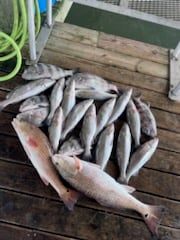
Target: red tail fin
x: 70, y: 198
x: 153, y: 218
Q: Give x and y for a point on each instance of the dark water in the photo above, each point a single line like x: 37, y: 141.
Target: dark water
x: 124, y: 26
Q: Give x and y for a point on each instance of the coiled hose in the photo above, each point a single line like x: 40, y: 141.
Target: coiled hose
x: 10, y: 46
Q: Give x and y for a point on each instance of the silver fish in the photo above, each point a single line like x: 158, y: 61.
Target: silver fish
x: 104, y: 146
x: 55, y: 98
x: 94, y: 94
x: 148, y: 122
x: 34, y: 116
x: 140, y: 157
x: 28, y: 90
x: 69, y: 98
x: 123, y: 151
x: 104, y: 114
x: 92, y: 81
x: 55, y: 128
x: 95, y: 183
x: 134, y: 122
x: 38, y: 150
x: 88, y: 131
x: 34, y: 102
x: 42, y: 70
x: 120, y: 105
x: 71, y: 147
x: 75, y: 116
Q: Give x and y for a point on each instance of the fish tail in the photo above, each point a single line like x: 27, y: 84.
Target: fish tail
x: 87, y: 155
x: 3, y: 104
x: 122, y: 179
x: 49, y: 119
x: 114, y: 88
x: 70, y: 198
x: 153, y: 217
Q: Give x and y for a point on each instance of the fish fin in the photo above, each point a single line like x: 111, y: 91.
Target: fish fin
x: 122, y: 180
x: 70, y: 198
x: 44, y: 180
x: 153, y: 217
x: 77, y: 163
x: 128, y: 188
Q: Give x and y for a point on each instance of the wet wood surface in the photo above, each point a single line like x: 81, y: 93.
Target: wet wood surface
x: 30, y: 210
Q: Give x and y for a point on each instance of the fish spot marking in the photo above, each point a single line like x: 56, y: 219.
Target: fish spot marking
x: 32, y: 142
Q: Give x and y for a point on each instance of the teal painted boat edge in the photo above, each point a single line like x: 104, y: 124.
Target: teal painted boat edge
x: 122, y: 25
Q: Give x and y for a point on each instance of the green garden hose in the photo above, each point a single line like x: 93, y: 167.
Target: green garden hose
x: 11, y: 45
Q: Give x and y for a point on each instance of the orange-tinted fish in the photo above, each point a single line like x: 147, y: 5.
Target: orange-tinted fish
x: 89, y: 179
x: 37, y: 148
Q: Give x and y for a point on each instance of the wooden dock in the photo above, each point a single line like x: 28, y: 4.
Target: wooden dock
x: 31, y: 211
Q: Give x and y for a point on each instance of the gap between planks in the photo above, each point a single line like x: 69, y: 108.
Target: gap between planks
x: 162, y: 160
x: 107, y: 224
x: 18, y: 232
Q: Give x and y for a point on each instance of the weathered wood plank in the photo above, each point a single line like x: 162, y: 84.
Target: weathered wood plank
x: 11, y: 232
x: 133, y: 48
x: 37, y: 213
x: 157, y: 183
x: 75, y: 33
x: 25, y: 179
x: 166, y: 161
x: 167, y: 120
x: 157, y: 100
x: 92, y: 53
x: 11, y: 149
x: 12, y: 83
x: 106, y: 57
x: 153, y: 69
x: 169, y: 140
x: 109, y: 72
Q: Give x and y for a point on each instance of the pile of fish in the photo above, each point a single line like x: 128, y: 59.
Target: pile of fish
x: 80, y: 111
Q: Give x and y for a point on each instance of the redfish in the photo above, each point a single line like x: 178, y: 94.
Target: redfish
x: 38, y: 150
x: 89, y: 179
